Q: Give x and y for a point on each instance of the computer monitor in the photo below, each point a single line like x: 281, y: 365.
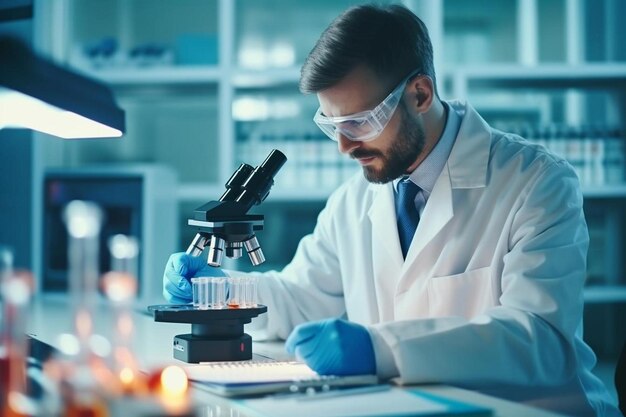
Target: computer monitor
x: 139, y: 201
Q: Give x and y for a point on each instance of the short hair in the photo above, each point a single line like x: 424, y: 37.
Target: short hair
x: 390, y: 40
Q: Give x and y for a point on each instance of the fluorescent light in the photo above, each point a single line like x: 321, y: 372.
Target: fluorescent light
x: 283, y: 55
x: 253, y: 54
x: 248, y: 109
x: 38, y: 94
x: 18, y: 110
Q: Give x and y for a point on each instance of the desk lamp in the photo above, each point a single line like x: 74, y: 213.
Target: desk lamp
x: 37, y: 94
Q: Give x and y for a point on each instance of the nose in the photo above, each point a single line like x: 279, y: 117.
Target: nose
x: 346, y: 145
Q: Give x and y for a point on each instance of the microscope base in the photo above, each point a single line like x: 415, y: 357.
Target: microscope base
x: 193, y: 349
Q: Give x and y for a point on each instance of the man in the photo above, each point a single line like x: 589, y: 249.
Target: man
x: 457, y: 257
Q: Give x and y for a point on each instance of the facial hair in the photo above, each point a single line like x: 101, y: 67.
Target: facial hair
x: 404, y: 151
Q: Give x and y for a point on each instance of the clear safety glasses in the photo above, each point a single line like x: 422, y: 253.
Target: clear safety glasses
x: 366, y: 125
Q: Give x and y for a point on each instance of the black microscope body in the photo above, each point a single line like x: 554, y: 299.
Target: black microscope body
x: 226, y: 228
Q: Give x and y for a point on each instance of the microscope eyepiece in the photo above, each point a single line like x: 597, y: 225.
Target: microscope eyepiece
x: 273, y: 163
x: 258, y: 184
x: 235, y: 182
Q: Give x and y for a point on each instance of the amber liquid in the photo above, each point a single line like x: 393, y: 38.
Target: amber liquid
x: 4, y: 388
x: 97, y: 409
x: 5, y: 377
x: 11, y: 378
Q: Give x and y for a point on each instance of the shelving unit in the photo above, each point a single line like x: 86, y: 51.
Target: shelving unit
x: 605, y: 192
x: 192, y: 75
x: 513, y: 59
x: 606, y: 294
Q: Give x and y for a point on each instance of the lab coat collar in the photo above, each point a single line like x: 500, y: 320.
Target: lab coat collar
x: 467, y: 164
x: 426, y: 174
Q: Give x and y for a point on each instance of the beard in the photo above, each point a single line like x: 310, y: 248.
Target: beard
x: 408, y: 145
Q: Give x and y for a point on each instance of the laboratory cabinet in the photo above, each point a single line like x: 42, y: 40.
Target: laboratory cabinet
x: 208, y: 84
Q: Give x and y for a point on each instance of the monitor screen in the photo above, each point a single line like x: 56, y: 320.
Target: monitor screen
x: 120, y: 199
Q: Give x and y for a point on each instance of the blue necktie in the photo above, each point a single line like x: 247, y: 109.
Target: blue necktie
x: 407, y: 213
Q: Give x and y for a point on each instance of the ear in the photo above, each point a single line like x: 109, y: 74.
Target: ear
x: 422, y: 93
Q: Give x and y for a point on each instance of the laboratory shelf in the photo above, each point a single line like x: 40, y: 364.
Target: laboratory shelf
x: 169, y: 75
x: 605, y: 294
x: 247, y: 78
x: 553, y: 76
x: 509, y: 74
x: 185, y: 75
x: 604, y: 191
x: 556, y: 75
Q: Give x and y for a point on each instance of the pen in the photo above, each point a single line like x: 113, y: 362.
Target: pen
x: 345, y: 392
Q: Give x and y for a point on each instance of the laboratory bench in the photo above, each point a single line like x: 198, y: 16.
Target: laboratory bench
x: 50, y: 316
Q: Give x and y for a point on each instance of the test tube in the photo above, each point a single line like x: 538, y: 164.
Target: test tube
x: 16, y: 291
x: 6, y: 270
x: 218, y: 293
x: 203, y: 293
x: 120, y: 287
x: 84, y: 220
x: 195, y: 284
x: 250, y: 292
x: 235, y: 293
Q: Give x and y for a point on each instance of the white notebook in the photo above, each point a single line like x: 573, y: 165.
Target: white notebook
x: 260, y: 377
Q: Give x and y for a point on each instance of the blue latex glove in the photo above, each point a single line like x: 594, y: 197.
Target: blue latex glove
x: 333, y: 347
x: 179, y: 270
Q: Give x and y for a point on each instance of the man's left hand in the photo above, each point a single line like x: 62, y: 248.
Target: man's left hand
x: 333, y: 347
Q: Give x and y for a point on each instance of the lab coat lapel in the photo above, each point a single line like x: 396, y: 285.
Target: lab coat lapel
x: 466, y: 168
x: 436, y: 215
x: 386, y: 253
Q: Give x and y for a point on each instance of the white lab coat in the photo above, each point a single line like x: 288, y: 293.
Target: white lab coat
x: 490, y: 295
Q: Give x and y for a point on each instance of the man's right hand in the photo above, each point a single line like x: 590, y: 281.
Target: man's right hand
x: 179, y: 270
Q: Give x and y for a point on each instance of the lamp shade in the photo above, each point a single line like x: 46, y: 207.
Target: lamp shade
x: 38, y: 94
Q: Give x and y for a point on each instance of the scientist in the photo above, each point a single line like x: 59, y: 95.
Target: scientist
x: 457, y: 256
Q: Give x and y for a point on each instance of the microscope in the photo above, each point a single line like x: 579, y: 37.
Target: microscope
x: 226, y: 228
x: 225, y: 224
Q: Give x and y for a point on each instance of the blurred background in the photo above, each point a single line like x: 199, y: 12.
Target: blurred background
x: 208, y: 84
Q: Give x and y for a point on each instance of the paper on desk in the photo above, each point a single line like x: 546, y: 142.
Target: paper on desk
x: 391, y: 402
x: 250, y: 372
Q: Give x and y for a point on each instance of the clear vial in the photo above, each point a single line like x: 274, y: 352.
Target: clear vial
x: 218, y: 293
x: 203, y: 293
x: 250, y: 291
x: 195, y: 283
x: 235, y: 292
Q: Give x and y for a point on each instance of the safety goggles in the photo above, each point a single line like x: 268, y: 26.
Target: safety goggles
x: 366, y: 125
